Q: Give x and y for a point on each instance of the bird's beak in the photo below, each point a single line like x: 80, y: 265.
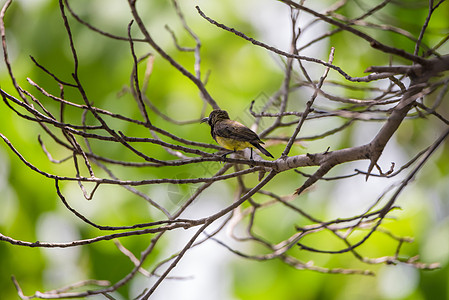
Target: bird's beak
x: 204, y: 120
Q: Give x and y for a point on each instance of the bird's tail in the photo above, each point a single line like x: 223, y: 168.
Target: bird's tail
x: 262, y: 149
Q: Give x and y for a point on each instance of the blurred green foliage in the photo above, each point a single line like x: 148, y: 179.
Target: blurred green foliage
x: 239, y: 73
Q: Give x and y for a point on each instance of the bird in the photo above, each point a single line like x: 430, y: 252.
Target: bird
x: 233, y: 135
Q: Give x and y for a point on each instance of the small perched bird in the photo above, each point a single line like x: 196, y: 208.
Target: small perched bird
x: 233, y: 135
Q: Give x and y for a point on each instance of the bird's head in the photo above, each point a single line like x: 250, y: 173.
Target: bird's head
x: 215, y: 116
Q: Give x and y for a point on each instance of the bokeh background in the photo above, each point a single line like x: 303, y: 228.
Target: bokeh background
x: 239, y: 72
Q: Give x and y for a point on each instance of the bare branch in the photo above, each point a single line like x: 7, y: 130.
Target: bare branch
x: 162, y: 161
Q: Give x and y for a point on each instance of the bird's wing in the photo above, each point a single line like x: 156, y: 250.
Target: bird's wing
x: 235, y: 130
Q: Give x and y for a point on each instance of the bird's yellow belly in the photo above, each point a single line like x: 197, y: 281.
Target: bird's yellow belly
x: 232, y: 144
